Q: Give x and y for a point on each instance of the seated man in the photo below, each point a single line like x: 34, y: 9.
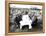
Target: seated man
x: 26, y: 21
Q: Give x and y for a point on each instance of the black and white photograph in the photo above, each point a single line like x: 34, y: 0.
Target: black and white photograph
x: 25, y: 18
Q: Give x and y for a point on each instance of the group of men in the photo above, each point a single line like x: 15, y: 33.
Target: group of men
x: 32, y: 20
x: 29, y: 19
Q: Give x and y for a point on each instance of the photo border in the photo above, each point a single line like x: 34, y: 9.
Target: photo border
x: 7, y: 32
